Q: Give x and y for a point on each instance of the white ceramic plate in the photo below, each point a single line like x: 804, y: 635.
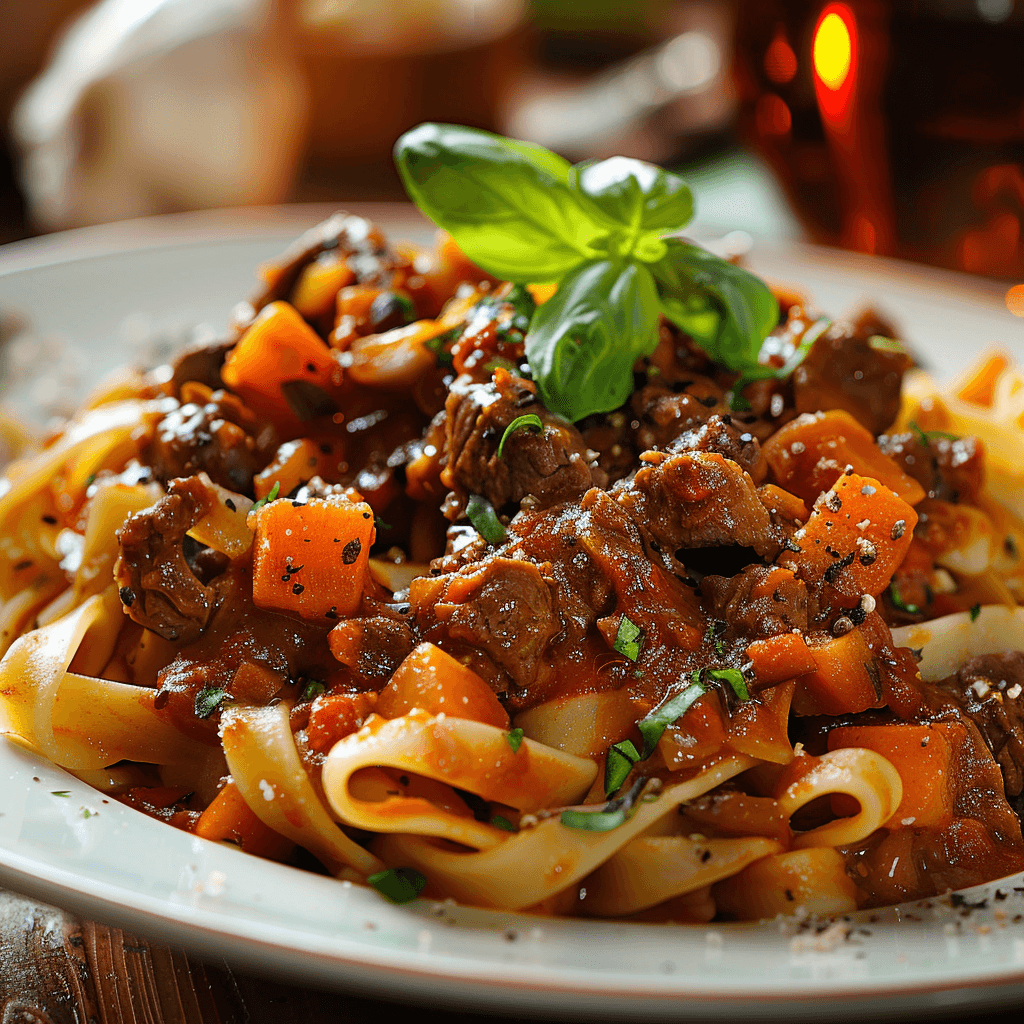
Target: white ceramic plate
x: 118, y: 865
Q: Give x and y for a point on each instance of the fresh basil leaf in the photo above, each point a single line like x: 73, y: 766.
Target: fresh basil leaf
x: 732, y: 676
x: 485, y: 520
x: 628, y: 638
x: 584, y: 340
x: 515, y: 739
x: 508, y: 204
x: 726, y: 310
x: 531, y: 421
x: 399, y: 885
x: 645, y: 200
x: 653, y: 725
x: 618, y: 764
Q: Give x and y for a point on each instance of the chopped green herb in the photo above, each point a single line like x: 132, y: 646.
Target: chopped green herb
x: 619, y: 763
x: 500, y: 362
x: 880, y: 343
x: 406, y: 305
x: 439, y: 344
x: 399, y: 885
x: 380, y: 524
x: 485, y: 520
x: 86, y: 813
x: 90, y: 480
x: 926, y: 436
x: 654, y: 725
x: 975, y: 612
x: 605, y: 817
x: 499, y: 821
x: 732, y: 676
x: 60, y: 792
x: 312, y: 690
x: 899, y: 603
x: 531, y: 421
x: 628, y: 639
x: 271, y: 495
x: 208, y: 700
x: 515, y: 739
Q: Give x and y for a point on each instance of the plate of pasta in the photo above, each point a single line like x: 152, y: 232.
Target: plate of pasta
x: 555, y: 609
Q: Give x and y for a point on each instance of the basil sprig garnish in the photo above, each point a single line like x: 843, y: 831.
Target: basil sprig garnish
x: 598, y: 230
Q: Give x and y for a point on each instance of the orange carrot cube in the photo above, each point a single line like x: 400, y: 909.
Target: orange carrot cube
x: 311, y: 559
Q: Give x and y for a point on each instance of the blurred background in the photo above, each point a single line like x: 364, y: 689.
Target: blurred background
x: 892, y: 127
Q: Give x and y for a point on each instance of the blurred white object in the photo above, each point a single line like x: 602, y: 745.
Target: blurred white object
x: 152, y: 106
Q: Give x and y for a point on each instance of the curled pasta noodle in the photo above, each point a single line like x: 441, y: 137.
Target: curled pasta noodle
x: 77, y: 720
x: 559, y: 856
x: 856, y: 772
x: 462, y: 753
x: 651, y: 869
x: 265, y: 766
x: 814, y: 879
x: 949, y: 642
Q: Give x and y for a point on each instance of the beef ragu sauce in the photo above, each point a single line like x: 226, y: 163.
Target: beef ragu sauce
x: 696, y: 523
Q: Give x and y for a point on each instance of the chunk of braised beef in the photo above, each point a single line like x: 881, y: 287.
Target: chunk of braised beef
x: 502, y: 608
x: 699, y: 500
x: 611, y: 436
x: 665, y: 409
x: 200, y: 364
x: 853, y: 366
x: 948, y: 468
x: 217, y: 435
x: 381, y: 642
x: 551, y: 464
x: 158, y: 588
x: 358, y: 240
x: 721, y: 434
x: 988, y: 690
x: 762, y: 601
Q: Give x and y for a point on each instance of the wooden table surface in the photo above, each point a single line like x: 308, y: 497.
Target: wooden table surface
x: 58, y: 969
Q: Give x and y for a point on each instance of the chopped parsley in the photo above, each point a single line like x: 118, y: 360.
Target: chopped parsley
x: 900, y: 604
x: 485, y: 520
x: 530, y: 421
x: 605, y: 817
x: 60, y: 792
x: 438, y: 346
x: 272, y: 495
x: 653, y: 725
x: 499, y: 821
x: 399, y: 885
x: 628, y: 639
x: 927, y: 436
x: 975, y: 612
x: 208, y: 700
x: 312, y: 690
x: 515, y: 739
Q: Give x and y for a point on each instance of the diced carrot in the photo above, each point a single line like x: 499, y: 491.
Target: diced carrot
x: 278, y: 349
x: 781, y: 503
x: 856, y: 537
x: 297, y: 462
x: 228, y: 818
x: 844, y: 680
x: 337, y: 715
x: 924, y: 757
x: 319, y: 283
x: 980, y: 386
x: 312, y: 559
x: 434, y: 681
x: 809, y: 454
x: 779, y: 658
